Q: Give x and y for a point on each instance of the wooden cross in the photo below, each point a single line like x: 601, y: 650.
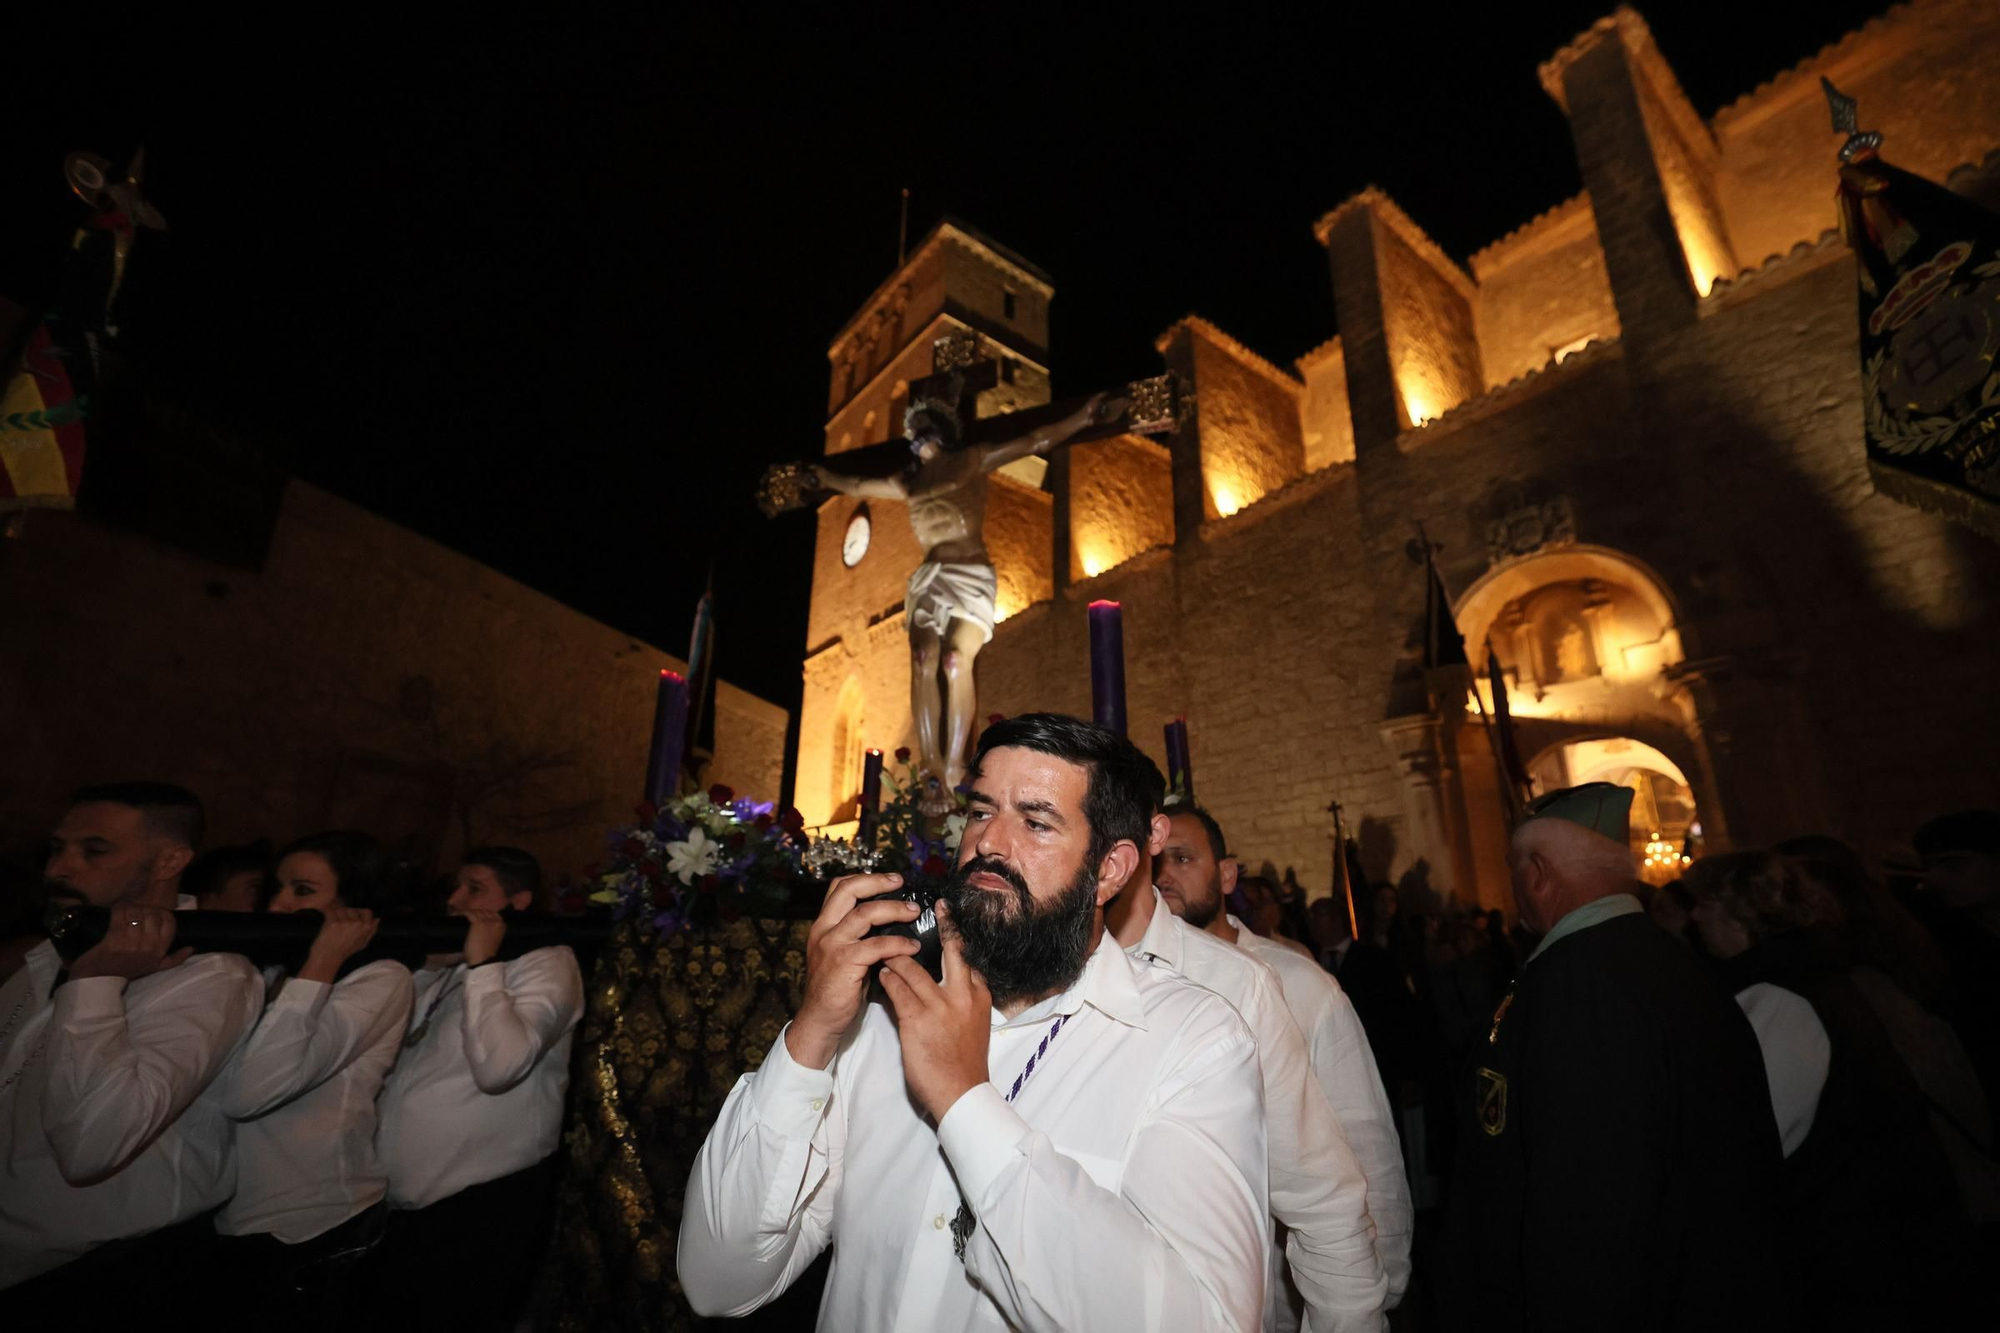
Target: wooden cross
x: 959, y: 374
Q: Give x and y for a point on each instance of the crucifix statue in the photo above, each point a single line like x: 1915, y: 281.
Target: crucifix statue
x: 940, y: 471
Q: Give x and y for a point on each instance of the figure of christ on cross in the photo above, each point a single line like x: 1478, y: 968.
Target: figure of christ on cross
x: 949, y: 607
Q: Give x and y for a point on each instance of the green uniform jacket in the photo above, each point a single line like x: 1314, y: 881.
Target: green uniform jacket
x: 1618, y: 1162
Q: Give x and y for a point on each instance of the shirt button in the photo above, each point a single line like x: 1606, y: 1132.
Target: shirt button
x: 819, y: 1103
x: 937, y: 1223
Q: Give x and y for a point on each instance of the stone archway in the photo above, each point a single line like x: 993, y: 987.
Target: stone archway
x: 1589, y: 644
x: 1589, y: 641
x: 1666, y: 821
x: 844, y: 758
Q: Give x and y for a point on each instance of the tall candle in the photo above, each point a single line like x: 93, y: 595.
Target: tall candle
x: 1107, y: 666
x: 871, y: 794
x: 1179, y: 773
x: 670, y: 715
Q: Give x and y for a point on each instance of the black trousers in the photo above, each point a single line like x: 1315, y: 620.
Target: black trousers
x: 160, y: 1281
x: 469, y: 1261
x: 313, y: 1287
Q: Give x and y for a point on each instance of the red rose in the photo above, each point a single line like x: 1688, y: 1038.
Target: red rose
x: 902, y: 754
x: 736, y: 840
x: 936, y: 865
x: 720, y: 794
x: 995, y: 719
x: 647, y: 812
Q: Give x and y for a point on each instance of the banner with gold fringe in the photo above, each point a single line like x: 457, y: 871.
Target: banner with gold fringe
x: 1928, y: 266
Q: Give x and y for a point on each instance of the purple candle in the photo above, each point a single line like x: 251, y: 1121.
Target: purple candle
x: 1180, y: 775
x: 670, y: 715
x: 871, y: 794
x: 1107, y: 666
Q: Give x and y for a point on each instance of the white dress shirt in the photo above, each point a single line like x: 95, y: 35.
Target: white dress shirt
x: 303, y: 1093
x: 110, y: 1121
x: 1318, y: 1190
x: 1797, y: 1056
x: 479, y: 1095
x: 1345, y: 1066
x: 1123, y: 1188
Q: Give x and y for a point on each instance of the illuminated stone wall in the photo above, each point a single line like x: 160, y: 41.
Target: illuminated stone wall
x: 1122, y: 503
x: 366, y: 677
x: 1326, y: 429
x: 1248, y: 411
x: 1543, y: 291
x: 1020, y: 525
x: 1427, y: 308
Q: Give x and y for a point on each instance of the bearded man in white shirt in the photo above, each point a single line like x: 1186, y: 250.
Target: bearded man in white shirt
x: 111, y: 1127
x: 1194, y: 874
x: 1050, y: 1137
x: 1317, y: 1193
x: 471, y: 1116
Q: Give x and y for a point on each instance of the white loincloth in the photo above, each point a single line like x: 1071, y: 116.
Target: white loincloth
x: 940, y: 591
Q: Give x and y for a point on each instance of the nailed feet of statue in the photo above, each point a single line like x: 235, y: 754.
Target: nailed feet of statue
x: 938, y: 799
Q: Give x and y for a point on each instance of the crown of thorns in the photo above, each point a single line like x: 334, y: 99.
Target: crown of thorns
x: 943, y: 408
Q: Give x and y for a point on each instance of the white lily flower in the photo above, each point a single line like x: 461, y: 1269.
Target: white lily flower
x: 694, y: 856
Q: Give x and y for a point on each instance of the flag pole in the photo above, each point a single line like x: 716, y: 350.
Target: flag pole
x: 1340, y: 876
x: 1509, y: 798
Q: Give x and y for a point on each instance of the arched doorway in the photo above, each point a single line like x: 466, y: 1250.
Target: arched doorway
x: 1666, y: 822
x: 844, y: 758
x: 1588, y: 644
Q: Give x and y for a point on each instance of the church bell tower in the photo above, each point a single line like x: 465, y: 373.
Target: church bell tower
x: 954, y: 284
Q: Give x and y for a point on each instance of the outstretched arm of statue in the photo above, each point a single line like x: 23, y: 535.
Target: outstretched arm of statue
x: 1100, y: 409
x: 789, y: 486
x: 868, y: 488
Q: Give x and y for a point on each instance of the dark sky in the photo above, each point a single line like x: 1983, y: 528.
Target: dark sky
x: 553, y: 290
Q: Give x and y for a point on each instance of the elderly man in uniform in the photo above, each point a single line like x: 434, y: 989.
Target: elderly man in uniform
x: 1619, y: 1159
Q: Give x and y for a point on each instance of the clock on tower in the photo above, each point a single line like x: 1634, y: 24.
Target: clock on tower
x: 855, y: 544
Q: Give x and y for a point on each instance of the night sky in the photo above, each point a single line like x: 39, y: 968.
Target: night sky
x: 553, y: 291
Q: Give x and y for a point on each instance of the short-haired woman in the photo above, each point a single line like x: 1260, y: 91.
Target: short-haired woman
x: 310, y: 1189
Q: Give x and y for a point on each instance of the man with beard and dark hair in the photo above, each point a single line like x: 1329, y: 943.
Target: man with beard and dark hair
x: 1193, y: 873
x: 1318, y: 1190
x: 111, y: 1123
x: 1052, y: 1137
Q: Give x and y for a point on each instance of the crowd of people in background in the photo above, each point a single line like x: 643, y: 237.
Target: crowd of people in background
x: 351, y: 1132
x: 1876, y: 1006
x: 343, y: 1140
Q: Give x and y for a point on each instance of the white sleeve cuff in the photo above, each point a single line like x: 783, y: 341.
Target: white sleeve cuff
x: 298, y: 993
x: 981, y: 1136
x: 790, y: 1098
x: 485, y: 977
x: 88, y: 997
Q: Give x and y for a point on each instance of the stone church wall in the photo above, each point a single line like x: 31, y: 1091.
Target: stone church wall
x: 1828, y: 654
x: 1541, y: 290
x: 366, y: 677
